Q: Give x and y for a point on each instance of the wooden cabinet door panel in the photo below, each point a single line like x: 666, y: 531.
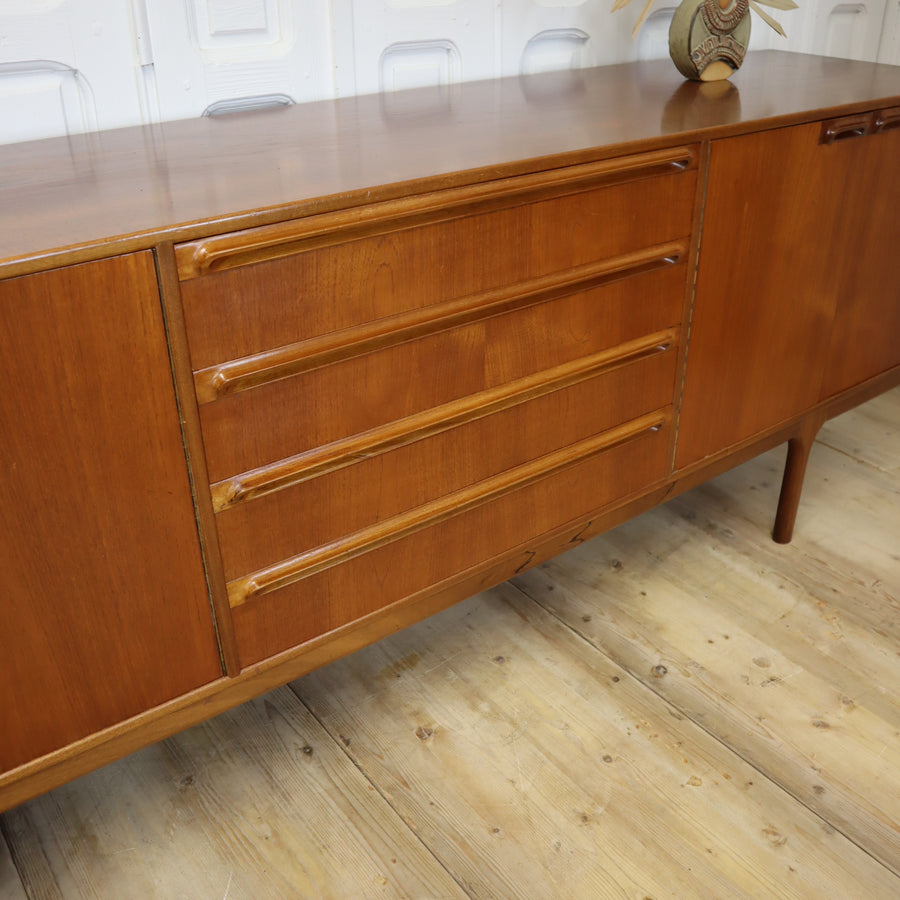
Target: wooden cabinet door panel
x: 767, y: 285
x: 103, y: 605
x: 865, y: 339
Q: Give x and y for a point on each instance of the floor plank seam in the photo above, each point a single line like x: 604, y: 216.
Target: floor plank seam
x: 4, y: 837
x: 775, y: 782
x: 856, y: 459
x: 377, y: 788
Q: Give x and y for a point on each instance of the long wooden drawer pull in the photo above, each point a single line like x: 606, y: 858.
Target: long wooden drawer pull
x: 248, y: 372
x: 337, y: 455
x: 319, y: 559
x: 283, y: 239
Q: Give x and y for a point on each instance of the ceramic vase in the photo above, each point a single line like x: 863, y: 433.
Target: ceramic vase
x: 708, y: 38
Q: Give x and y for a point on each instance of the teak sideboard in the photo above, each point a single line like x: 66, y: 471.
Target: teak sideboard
x: 278, y: 384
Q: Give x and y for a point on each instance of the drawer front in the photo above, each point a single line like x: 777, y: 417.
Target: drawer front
x: 266, y: 517
x: 327, y: 275
x: 289, y: 416
x: 392, y: 395
x: 270, y: 620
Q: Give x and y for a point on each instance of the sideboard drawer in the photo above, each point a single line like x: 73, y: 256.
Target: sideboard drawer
x: 381, y: 390
x: 261, y: 425
x: 274, y: 610
x: 266, y: 516
x: 274, y: 286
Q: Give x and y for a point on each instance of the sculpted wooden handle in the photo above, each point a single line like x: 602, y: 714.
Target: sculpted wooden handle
x: 217, y: 381
x: 887, y: 120
x: 846, y: 128
x: 311, y: 464
x: 343, y: 549
x: 253, y: 245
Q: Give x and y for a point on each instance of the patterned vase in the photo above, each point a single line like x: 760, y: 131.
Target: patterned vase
x: 708, y: 38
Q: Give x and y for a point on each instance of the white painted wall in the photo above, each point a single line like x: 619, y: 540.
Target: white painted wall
x: 68, y: 66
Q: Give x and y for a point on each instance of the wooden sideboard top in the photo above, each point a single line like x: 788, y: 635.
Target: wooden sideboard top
x: 65, y: 200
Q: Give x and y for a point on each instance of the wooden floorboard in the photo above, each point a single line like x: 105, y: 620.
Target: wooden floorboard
x: 535, y: 767
x: 789, y: 654
x: 870, y: 433
x: 11, y: 887
x: 258, y: 803
x: 681, y: 708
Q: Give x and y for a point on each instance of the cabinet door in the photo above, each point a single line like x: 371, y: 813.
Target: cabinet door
x: 865, y: 339
x: 773, y: 249
x: 103, y: 605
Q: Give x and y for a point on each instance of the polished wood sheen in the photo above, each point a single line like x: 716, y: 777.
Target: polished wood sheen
x: 533, y: 412
x: 467, y: 533
x: 766, y: 286
x: 72, y: 196
x: 266, y: 366
x: 259, y: 244
x: 524, y: 743
x: 328, y: 406
x: 433, y: 512
x: 414, y: 349
x: 799, y: 448
x: 173, y: 315
x: 800, y: 235
x: 364, y: 358
x: 256, y: 308
x: 103, y: 607
x: 865, y: 338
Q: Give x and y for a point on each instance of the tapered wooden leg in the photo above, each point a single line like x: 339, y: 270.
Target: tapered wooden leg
x: 799, y: 448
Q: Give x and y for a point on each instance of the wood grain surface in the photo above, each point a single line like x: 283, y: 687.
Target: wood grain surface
x: 654, y: 725
x: 864, y: 339
x: 124, y: 189
x: 377, y: 486
x: 797, y: 296
x: 308, y: 596
x: 868, y: 434
x: 329, y: 404
x: 11, y: 887
x: 107, y: 580
x: 378, y: 220
x: 266, y: 366
x: 253, y: 308
x: 789, y: 655
x: 257, y: 803
x: 767, y: 286
x: 535, y: 767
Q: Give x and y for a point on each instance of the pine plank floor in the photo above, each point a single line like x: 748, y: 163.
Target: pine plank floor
x: 680, y: 708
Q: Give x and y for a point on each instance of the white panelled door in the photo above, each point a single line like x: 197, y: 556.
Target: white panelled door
x: 889, y: 49
x: 387, y: 45
x: 546, y: 35
x: 543, y: 35
x: 827, y: 28
x: 66, y: 66
x: 213, y: 56
x: 850, y: 30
